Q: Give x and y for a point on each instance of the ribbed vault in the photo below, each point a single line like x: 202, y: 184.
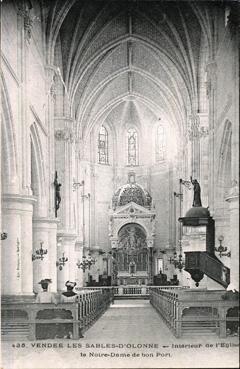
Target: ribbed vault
x: 113, y: 51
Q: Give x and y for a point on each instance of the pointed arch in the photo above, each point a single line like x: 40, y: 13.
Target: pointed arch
x: 9, y: 150
x: 224, y: 166
x: 38, y: 178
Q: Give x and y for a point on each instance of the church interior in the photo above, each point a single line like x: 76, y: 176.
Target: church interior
x: 119, y: 147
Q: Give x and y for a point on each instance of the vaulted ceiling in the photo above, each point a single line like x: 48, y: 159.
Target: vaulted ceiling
x: 146, y: 52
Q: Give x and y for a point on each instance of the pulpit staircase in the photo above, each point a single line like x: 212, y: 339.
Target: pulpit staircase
x: 209, y: 264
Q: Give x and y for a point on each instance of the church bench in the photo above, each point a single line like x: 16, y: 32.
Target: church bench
x: 194, y: 311
x: 31, y: 320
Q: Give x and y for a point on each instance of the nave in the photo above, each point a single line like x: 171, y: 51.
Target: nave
x: 128, y: 327
x: 119, y: 176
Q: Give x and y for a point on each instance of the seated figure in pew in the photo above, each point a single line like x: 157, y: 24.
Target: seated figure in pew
x: 45, y: 297
x: 45, y: 331
x: 69, y: 295
x: 66, y: 330
x: 174, y: 281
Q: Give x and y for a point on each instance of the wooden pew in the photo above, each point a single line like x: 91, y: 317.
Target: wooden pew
x: 188, y: 311
x: 30, y: 320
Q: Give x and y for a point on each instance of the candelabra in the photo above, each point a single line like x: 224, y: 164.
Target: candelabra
x: 76, y: 185
x: 177, y: 261
x: 39, y: 253
x: 86, y: 262
x: 221, y: 249
x: 61, y: 262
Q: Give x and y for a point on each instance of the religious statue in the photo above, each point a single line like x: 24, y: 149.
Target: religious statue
x: 131, y: 238
x: 110, y: 227
x: 197, y: 193
x: 57, y: 193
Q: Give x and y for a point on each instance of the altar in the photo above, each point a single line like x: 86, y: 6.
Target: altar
x: 132, y: 233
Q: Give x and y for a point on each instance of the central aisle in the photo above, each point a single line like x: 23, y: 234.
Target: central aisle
x: 130, y: 321
x: 130, y: 334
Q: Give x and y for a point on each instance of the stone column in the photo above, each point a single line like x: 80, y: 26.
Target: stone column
x: 211, y: 70
x: 50, y: 72
x: 150, y: 259
x: 195, y: 145
x: 65, y: 162
x: 204, y: 157
x: 17, y: 267
x: 233, y: 200
x: 78, y: 258
x: 45, y: 230
x: 24, y: 26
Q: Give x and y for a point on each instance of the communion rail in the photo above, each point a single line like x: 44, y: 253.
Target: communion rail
x: 188, y: 311
x: 130, y: 291
x: 22, y: 320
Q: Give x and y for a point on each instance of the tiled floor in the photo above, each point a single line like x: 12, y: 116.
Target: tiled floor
x: 130, y: 334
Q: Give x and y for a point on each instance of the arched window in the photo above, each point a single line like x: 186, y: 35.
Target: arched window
x: 160, y: 143
x: 103, y: 146
x: 132, y: 147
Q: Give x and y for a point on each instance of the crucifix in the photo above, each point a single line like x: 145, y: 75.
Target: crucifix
x: 57, y: 186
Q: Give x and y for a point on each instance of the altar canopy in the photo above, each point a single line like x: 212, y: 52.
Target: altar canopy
x: 132, y: 233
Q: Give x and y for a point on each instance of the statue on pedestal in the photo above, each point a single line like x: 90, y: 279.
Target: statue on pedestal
x: 197, y: 193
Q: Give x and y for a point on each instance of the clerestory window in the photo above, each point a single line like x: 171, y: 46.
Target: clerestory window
x: 160, y: 143
x: 132, y: 147
x: 103, y: 146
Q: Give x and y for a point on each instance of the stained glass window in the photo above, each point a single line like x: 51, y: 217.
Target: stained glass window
x: 103, y: 146
x: 160, y: 143
x: 132, y: 147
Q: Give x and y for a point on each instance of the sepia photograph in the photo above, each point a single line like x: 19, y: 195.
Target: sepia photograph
x: 119, y: 184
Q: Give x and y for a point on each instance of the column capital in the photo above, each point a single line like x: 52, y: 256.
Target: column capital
x: 66, y: 134
x: 64, y: 130
x: 24, y: 11
x: 193, y: 126
x: 197, y: 126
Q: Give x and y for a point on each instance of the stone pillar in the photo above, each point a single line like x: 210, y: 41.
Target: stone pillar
x: 233, y: 200
x: 45, y: 230
x: 17, y: 267
x: 150, y: 260
x: 66, y: 249
x: 78, y: 258
x: 211, y: 70
x: 198, y: 136
x: 195, y: 145
x: 50, y: 72
x: 24, y: 26
x: 65, y: 162
x: 204, y: 157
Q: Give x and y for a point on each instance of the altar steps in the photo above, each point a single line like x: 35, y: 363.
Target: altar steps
x: 131, y: 297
